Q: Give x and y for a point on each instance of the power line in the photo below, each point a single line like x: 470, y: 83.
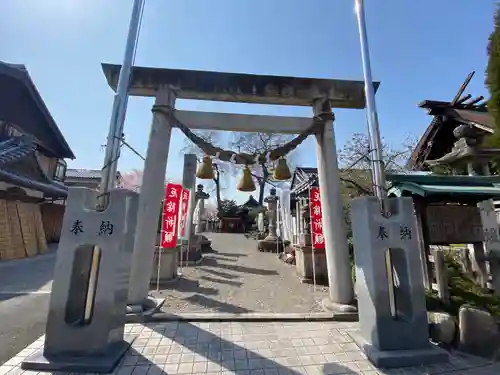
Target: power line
x: 124, y: 143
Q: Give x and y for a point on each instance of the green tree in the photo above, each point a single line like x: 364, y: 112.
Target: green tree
x: 493, y: 77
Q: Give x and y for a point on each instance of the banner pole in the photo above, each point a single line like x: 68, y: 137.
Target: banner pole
x: 158, y: 270
x: 159, y: 246
x: 314, y: 269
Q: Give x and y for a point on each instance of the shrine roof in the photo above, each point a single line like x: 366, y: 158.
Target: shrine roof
x: 251, y: 203
x: 438, y: 138
x: 427, y: 178
x: 241, y: 87
x: 445, y: 187
x: 303, y: 178
x: 477, y: 192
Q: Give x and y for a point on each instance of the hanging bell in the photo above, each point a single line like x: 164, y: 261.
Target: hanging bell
x: 246, y: 182
x: 205, y: 170
x: 282, y: 172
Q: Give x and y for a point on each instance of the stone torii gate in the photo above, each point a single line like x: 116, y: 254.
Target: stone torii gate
x: 167, y: 85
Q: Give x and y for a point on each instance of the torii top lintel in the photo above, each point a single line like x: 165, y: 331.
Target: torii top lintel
x: 239, y: 87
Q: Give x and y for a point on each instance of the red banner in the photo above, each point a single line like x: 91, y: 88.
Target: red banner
x: 170, y: 215
x: 318, y: 239
x: 184, y: 211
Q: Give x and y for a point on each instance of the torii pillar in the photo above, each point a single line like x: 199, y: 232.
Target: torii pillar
x: 149, y: 210
x: 336, y: 248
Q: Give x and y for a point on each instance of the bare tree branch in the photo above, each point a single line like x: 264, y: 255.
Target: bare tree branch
x: 356, y: 156
x: 221, y: 170
x: 253, y: 143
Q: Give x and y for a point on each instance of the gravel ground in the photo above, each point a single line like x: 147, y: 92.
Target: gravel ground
x: 236, y: 278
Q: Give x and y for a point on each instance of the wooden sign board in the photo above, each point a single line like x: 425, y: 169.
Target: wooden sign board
x: 454, y: 225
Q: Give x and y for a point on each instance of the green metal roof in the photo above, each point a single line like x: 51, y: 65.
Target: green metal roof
x: 484, y: 192
x: 426, y: 178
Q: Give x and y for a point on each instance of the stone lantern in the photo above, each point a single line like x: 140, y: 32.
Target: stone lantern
x: 200, y: 242
x: 200, y: 221
x: 272, y: 242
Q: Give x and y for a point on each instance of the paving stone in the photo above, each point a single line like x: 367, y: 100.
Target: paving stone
x: 229, y: 357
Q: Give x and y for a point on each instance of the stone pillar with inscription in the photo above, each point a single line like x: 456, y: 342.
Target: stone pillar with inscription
x: 152, y: 192
x: 489, y: 220
x: 389, y: 286
x: 86, y: 319
x: 272, y: 242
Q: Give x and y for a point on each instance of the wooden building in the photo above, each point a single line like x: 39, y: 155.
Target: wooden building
x: 303, y: 178
x: 238, y: 220
x: 32, y: 167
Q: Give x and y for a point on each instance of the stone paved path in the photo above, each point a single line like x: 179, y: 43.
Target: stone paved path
x: 310, y: 348
x: 236, y: 278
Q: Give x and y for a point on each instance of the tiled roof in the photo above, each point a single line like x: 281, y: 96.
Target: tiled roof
x: 17, y: 90
x: 19, y: 166
x: 83, y: 173
x: 251, y: 202
x: 307, y: 170
x: 15, y: 148
x: 52, y: 189
x: 303, y: 178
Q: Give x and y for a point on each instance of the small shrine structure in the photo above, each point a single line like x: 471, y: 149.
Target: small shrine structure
x: 456, y: 208
x: 302, y: 180
x: 239, y: 220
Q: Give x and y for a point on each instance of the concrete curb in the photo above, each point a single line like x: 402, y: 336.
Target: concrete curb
x: 244, y: 317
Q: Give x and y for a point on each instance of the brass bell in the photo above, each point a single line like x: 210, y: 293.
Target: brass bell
x: 282, y: 172
x: 205, y: 170
x: 246, y: 182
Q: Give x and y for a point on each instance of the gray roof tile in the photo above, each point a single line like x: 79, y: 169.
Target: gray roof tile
x: 83, y: 173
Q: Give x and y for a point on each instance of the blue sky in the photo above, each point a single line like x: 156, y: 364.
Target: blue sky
x: 419, y: 50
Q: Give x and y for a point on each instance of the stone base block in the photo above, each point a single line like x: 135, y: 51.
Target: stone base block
x: 205, y: 243
x: 194, y: 253
x: 168, y: 265
x: 340, y: 308
x: 305, y: 240
x: 102, y: 363
x: 400, y: 358
x: 304, y: 264
x: 271, y: 244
